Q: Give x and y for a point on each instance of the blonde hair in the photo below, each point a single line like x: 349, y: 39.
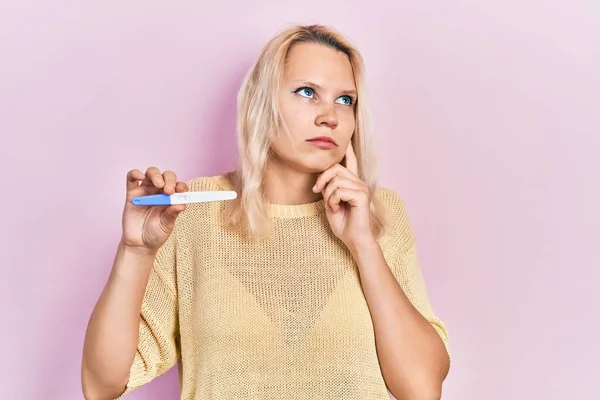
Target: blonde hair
x: 258, y: 122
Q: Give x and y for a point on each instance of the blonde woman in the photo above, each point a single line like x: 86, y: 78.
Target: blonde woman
x: 307, y: 286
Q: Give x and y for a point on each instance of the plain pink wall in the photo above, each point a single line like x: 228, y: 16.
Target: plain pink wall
x: 487, y: 121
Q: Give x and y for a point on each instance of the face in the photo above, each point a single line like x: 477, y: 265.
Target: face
x: 316, y: 103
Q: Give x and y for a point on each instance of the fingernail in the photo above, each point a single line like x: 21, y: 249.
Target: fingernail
x: 314, y: 188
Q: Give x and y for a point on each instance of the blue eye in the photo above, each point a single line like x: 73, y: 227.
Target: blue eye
x: 346, y: 100
x: 305, y: 92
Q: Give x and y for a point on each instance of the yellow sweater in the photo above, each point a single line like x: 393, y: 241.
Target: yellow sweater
x: 285, y: 319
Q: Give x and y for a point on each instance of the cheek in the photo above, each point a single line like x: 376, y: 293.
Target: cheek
x: 299, y: 120
x: 347, y: 121
x: 296, y: 114
x: 303, y: 113
x: 285, y: 144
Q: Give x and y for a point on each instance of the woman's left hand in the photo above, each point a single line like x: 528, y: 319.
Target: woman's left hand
x: 347, y: 201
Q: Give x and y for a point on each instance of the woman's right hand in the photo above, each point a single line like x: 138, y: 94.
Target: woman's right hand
x: 148, y: 227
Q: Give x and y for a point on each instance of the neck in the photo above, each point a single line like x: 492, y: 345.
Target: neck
x: 285, y: 185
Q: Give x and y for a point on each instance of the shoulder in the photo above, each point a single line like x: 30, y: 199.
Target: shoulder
x: 202, y: 215
x: 397, y: 222
x: 213, y: 182
x: 393, y: 204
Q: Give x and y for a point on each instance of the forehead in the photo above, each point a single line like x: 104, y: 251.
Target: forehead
x: 320, y: 64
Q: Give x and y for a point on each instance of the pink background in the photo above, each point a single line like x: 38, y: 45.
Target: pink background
x: 487, y: 122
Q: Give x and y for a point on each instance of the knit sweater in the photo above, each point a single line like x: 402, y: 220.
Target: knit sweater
x: 280, y: 319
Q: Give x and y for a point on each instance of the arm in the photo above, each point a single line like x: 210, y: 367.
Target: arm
x: 112, y: 334
x: 132, y: 334
x: 413, y: 358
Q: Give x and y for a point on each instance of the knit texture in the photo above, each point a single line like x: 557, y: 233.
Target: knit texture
x: 281, y: 319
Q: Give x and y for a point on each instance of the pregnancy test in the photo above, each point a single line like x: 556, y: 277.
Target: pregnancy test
x: 183, y: 198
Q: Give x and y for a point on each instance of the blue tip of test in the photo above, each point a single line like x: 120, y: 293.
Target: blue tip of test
x: 152, y: 200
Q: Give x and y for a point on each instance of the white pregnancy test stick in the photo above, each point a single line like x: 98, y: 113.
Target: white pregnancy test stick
x: 183, y: 198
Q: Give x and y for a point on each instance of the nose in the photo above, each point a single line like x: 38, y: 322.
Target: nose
x: 327, y: 117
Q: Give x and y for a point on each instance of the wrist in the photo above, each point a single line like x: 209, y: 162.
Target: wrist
x: 365, y: 245
x: 133, y: 262
x: 136, y: 251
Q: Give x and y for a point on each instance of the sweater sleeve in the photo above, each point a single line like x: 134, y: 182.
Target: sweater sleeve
x: 158, y: 348
x: 401, y: 253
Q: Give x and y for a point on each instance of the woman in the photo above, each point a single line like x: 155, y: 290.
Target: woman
x: 306, y: 286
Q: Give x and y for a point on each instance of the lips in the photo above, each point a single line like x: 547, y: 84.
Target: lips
x: 323, y: 139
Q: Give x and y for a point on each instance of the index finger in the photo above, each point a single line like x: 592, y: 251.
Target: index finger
x: 133, y: 178
x: 170, y: 180
x: 351, y: 161
x: 154, y: 178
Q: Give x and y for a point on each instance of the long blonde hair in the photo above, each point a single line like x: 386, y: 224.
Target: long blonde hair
x: 258, y: 122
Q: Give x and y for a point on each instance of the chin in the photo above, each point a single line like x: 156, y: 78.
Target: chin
x: 317, y: 164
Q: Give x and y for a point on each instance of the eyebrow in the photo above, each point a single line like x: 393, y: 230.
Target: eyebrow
x: 309, y: 83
